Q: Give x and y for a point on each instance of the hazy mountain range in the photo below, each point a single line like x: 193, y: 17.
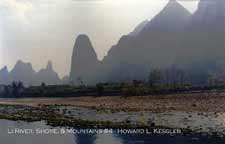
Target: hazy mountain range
x: 174, y: 37
x: 25, y: 73
x: 193, y: 42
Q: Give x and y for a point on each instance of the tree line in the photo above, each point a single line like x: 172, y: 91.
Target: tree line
x: 167, y: 81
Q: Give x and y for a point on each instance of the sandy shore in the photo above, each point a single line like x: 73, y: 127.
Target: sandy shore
x: 204, y: 102
x: 196, y: 112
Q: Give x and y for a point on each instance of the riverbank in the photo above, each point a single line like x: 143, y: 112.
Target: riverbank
x: 202, y: 113
x: 189, y: 102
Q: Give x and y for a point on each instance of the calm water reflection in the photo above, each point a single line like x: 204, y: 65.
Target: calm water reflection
x: 6, y: 138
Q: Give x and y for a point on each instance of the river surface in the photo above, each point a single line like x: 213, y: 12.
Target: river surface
x: 41, y: 133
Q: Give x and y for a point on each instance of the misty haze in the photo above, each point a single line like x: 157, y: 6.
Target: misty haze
x: 114, y: 66
x: 173, y: 40
x: 40, y: 31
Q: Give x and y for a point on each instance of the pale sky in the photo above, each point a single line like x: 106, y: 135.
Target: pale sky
x: 40, y: 30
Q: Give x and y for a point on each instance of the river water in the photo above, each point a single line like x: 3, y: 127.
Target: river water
x: 12, y: 132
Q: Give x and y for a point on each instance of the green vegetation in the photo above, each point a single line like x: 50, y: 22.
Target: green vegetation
x: 171, y: 80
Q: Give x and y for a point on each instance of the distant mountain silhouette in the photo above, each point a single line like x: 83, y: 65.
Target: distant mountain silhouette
x: 48, y: 75
x: 173, y: 37
x: 173, y: 17
x: 210, y: 13
x: 202, y: 44
x: 133, y: 57
x: 24, y: 72
x: 84, y: 63
x: 139, y: 28
x: 4, y: 76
